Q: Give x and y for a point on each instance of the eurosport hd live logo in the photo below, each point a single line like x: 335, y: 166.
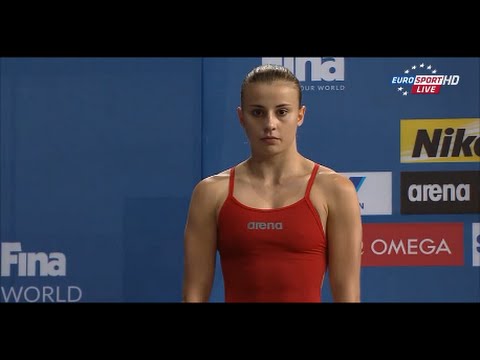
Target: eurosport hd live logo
x: 314, y: 73
x: 423, y: 79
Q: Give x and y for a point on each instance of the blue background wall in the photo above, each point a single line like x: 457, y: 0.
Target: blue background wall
x: 99, y: 157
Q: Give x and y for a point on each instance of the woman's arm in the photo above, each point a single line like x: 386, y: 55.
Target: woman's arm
x: 200, y: 244
x: 344, y: 234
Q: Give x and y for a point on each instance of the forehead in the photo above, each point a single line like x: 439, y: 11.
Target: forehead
x: 271, y: 90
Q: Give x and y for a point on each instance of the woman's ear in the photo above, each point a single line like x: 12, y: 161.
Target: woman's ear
x: 240, y: 116
x: 301, y: 115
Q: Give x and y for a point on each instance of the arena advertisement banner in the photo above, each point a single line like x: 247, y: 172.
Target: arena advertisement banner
x: 440, y: 192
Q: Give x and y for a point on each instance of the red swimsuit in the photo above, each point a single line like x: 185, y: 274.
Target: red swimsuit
x: 271, y: 255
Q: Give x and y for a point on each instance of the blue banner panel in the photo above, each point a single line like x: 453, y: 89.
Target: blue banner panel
x: 153, y: 249
x: 79, y: 138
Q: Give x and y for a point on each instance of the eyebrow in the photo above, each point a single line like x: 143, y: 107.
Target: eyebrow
x: 278, y: 106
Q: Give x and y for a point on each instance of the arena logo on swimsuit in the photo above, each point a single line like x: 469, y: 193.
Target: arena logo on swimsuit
x: 252, y: 225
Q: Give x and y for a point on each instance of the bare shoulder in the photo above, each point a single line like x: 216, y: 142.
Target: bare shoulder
x: 213, y: 182
x: 212, y: 189
x: 333, y: 184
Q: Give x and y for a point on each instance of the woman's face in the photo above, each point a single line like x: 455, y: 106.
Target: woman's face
x: 270, y: 115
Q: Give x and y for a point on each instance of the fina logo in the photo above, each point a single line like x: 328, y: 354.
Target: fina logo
x: 53, y: 264
x: 330, y: 69
x: 423, y: 79
x: 15, y: 262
